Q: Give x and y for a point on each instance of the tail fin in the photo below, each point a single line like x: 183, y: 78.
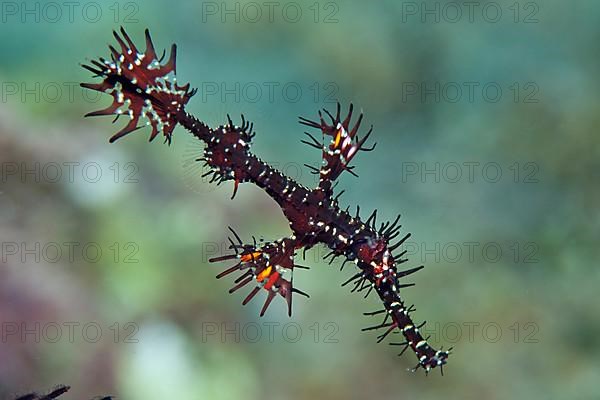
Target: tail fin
x: 141, y: 87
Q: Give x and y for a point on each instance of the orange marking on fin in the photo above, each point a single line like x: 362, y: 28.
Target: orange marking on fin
x: 338, y: 137
x: 264, y: 274
x: 251, y: 256
x: 272, y: 279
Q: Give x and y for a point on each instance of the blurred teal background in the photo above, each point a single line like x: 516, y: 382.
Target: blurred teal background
x: 104, y: 279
